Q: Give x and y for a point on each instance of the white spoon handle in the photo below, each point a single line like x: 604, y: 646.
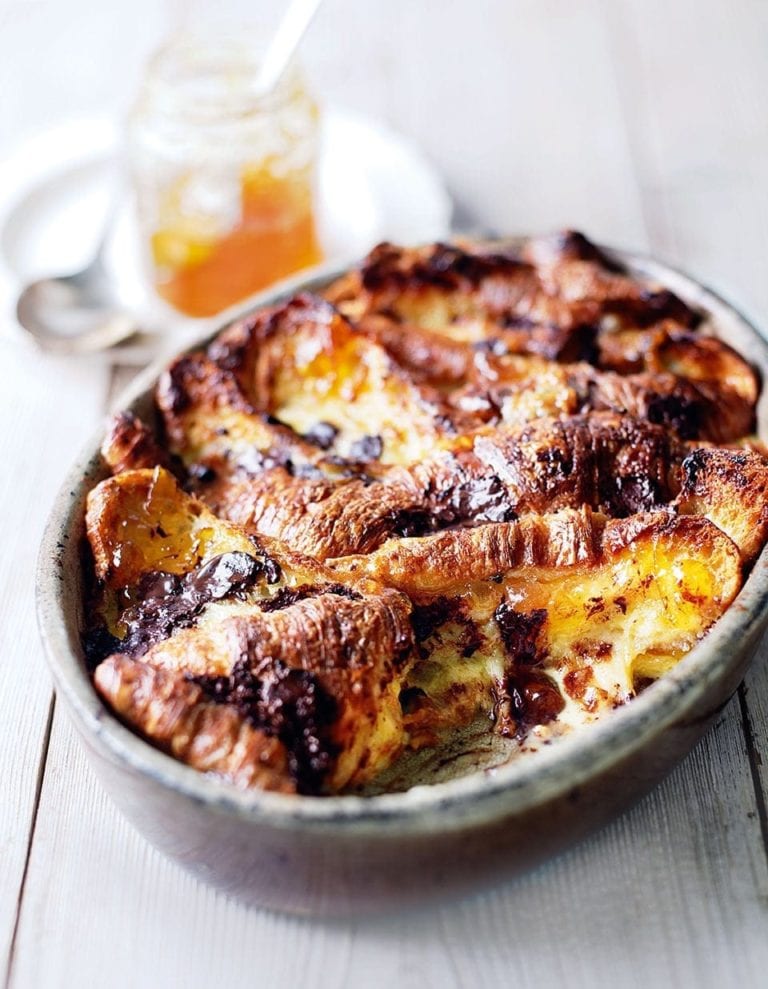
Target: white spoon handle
x: 283, y: 45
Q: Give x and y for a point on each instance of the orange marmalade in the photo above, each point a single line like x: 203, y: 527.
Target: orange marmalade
x: 224, y: 176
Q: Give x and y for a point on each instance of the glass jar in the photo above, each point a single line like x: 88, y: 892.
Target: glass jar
x: 224, y: 176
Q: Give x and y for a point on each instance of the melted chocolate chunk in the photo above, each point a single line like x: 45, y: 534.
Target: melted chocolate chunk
x: 322, y: 434
x: 98, y: 643
x: 471, y: 639
x: 300, y: 712
x: 426, y: 618
x: 161, y: 608
x: 166, y: 602
x: 222, y: 576
x: 272, y: 571
x: 288, y: 703
x: 474, y: 501
x: 554, y: 343
x: 698, y: 465
x: 287, y: 596
x: 528, y: 698
x: 633, y: 494
x: 479, y: 500
x: 520, y: 631
x: 366, y: 448
x: 408, y: 522
x: 556, y: 461
x: 694, y: 465
x: 678, y: 412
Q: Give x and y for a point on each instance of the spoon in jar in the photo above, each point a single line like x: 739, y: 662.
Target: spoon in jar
x: 82, y: 313
x: 286, y: 39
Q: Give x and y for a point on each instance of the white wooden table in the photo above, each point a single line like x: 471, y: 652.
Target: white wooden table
x: 644, y: 123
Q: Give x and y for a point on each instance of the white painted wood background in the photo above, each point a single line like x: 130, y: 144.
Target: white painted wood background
x: 642, y: 121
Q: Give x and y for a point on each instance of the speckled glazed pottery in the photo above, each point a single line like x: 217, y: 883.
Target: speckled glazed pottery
x: 340, y: 855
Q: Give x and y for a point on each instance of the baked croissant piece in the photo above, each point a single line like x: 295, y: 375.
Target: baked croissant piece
x: 468, y: 485
x: 238, y: 656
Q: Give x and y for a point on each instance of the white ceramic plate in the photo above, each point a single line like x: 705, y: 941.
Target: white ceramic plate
x: 57, y: 188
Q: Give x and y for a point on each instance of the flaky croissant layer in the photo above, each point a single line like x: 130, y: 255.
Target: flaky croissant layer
x: 514, y: 486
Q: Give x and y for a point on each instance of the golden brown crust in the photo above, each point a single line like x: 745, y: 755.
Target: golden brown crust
x: 468, y: 482
x: 131, y: 445
x: 570, y: 538
x: 435, y: 564
x: 139, y: 521
x: 173, y: 714
x: 585, y: 608
x: 353, y: 648
x: 616, y: 464
x: 473, y: 293
x: 302, y: 364
x: 729, y: 487
x: 195, y: 596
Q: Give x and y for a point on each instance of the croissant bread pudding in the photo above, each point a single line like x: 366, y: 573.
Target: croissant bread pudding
x: 469, y: 500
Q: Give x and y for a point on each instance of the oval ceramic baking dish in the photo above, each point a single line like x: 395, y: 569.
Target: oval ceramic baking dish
x: 351, y: 853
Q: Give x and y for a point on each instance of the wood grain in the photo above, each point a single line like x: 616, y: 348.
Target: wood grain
x: 693, y: 96
x: 47, y: 409
x: 702, y: 165
x: 672, y: 893
x: 643, y: 122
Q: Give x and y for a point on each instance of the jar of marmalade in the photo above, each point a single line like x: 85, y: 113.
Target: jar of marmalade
x: 224, y: 175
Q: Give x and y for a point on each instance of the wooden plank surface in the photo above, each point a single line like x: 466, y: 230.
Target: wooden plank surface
x: 47, y: 409
x: 642, y: 122
x: 671, y: 894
